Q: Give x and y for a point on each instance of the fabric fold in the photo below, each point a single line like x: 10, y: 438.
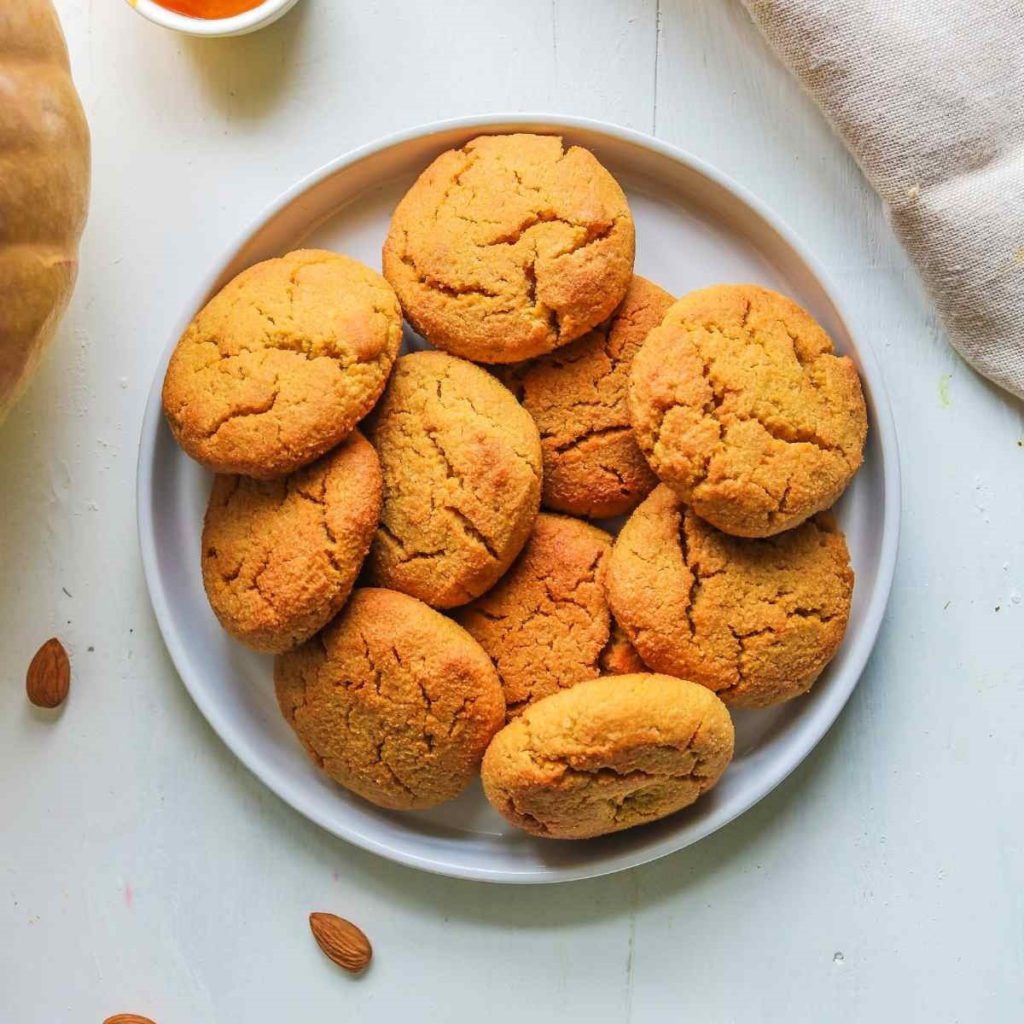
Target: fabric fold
x: 928, y: 96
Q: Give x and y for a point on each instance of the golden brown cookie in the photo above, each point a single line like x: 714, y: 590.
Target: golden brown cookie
x: 509, y: 247
x: 393, y: 701
x: 754, y: 620
x: 545, y: 624
x: 461, y: 461
x: 281, y: 364
x: 280, y: 556
x: 578, y: 396
x: 741, y: 405
x: 608, y: 754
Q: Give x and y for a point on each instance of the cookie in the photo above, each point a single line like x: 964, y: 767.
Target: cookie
x: 579, y: 397
x: 545, y: 624
x: 393, y: 701
x: 280, y: 557
x: 509, y: 247
x: 607, y: 755
x: 462, y: 463
x: 741, y: 405
x: 282, y: 363
x: 755, y: 620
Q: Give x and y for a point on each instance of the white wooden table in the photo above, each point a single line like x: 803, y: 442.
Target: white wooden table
x: 144, y: 869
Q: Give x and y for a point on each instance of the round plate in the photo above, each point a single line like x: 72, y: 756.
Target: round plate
x: 694, y: 228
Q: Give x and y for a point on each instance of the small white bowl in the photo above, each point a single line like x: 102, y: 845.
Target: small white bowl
x: 237, y: 25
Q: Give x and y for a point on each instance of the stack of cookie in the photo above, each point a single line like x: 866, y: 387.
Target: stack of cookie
x: 587, y: 677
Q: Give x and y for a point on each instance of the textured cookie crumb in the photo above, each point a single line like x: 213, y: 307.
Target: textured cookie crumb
x: 607, y: 755
x: 509, y: 247
x: 462, y: 469
x: 578, y: 396
x: 755, y: 620
x: 281, y: 364
x: 393, y: 701
x: 545, y: 624
x: 741, y: 405
x: 280, y: 557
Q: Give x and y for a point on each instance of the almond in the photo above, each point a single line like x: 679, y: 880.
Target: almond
x: 49, y: 675
x: 128, y: 1018
x: 342, y: 941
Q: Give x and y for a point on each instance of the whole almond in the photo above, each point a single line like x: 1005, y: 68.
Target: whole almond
x: 342, y: 941
x: 49, y: 675
x: 128, y: 1018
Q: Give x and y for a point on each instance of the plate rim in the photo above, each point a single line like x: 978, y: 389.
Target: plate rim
x: 863, y: 643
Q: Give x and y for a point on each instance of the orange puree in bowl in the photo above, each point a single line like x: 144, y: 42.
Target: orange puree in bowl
x: 209, y: 8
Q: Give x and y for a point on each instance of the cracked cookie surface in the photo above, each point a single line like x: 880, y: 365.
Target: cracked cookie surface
x: 280, y: 557
x: 392, y: 700
x: 281, y: 364
x: 607, y: 755
x: 578, y: 395
x: 755, y: 620
x: 509, y: 247
x: 741, y: 405
x: 462, y: 468
x: 545, y: 624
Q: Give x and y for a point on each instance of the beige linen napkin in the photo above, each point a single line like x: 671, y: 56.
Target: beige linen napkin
x: 929, y: 97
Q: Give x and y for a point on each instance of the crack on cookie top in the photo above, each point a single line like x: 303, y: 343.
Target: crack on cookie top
x: 480, y: 286
x: 722, y: 610
x: 771, y: 429
x: 253, y: 528
x: 461, y: 483
x: 393, y: 700
x: 546, y: 622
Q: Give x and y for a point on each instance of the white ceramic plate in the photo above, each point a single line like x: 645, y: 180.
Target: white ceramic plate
x: 694, y: 227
